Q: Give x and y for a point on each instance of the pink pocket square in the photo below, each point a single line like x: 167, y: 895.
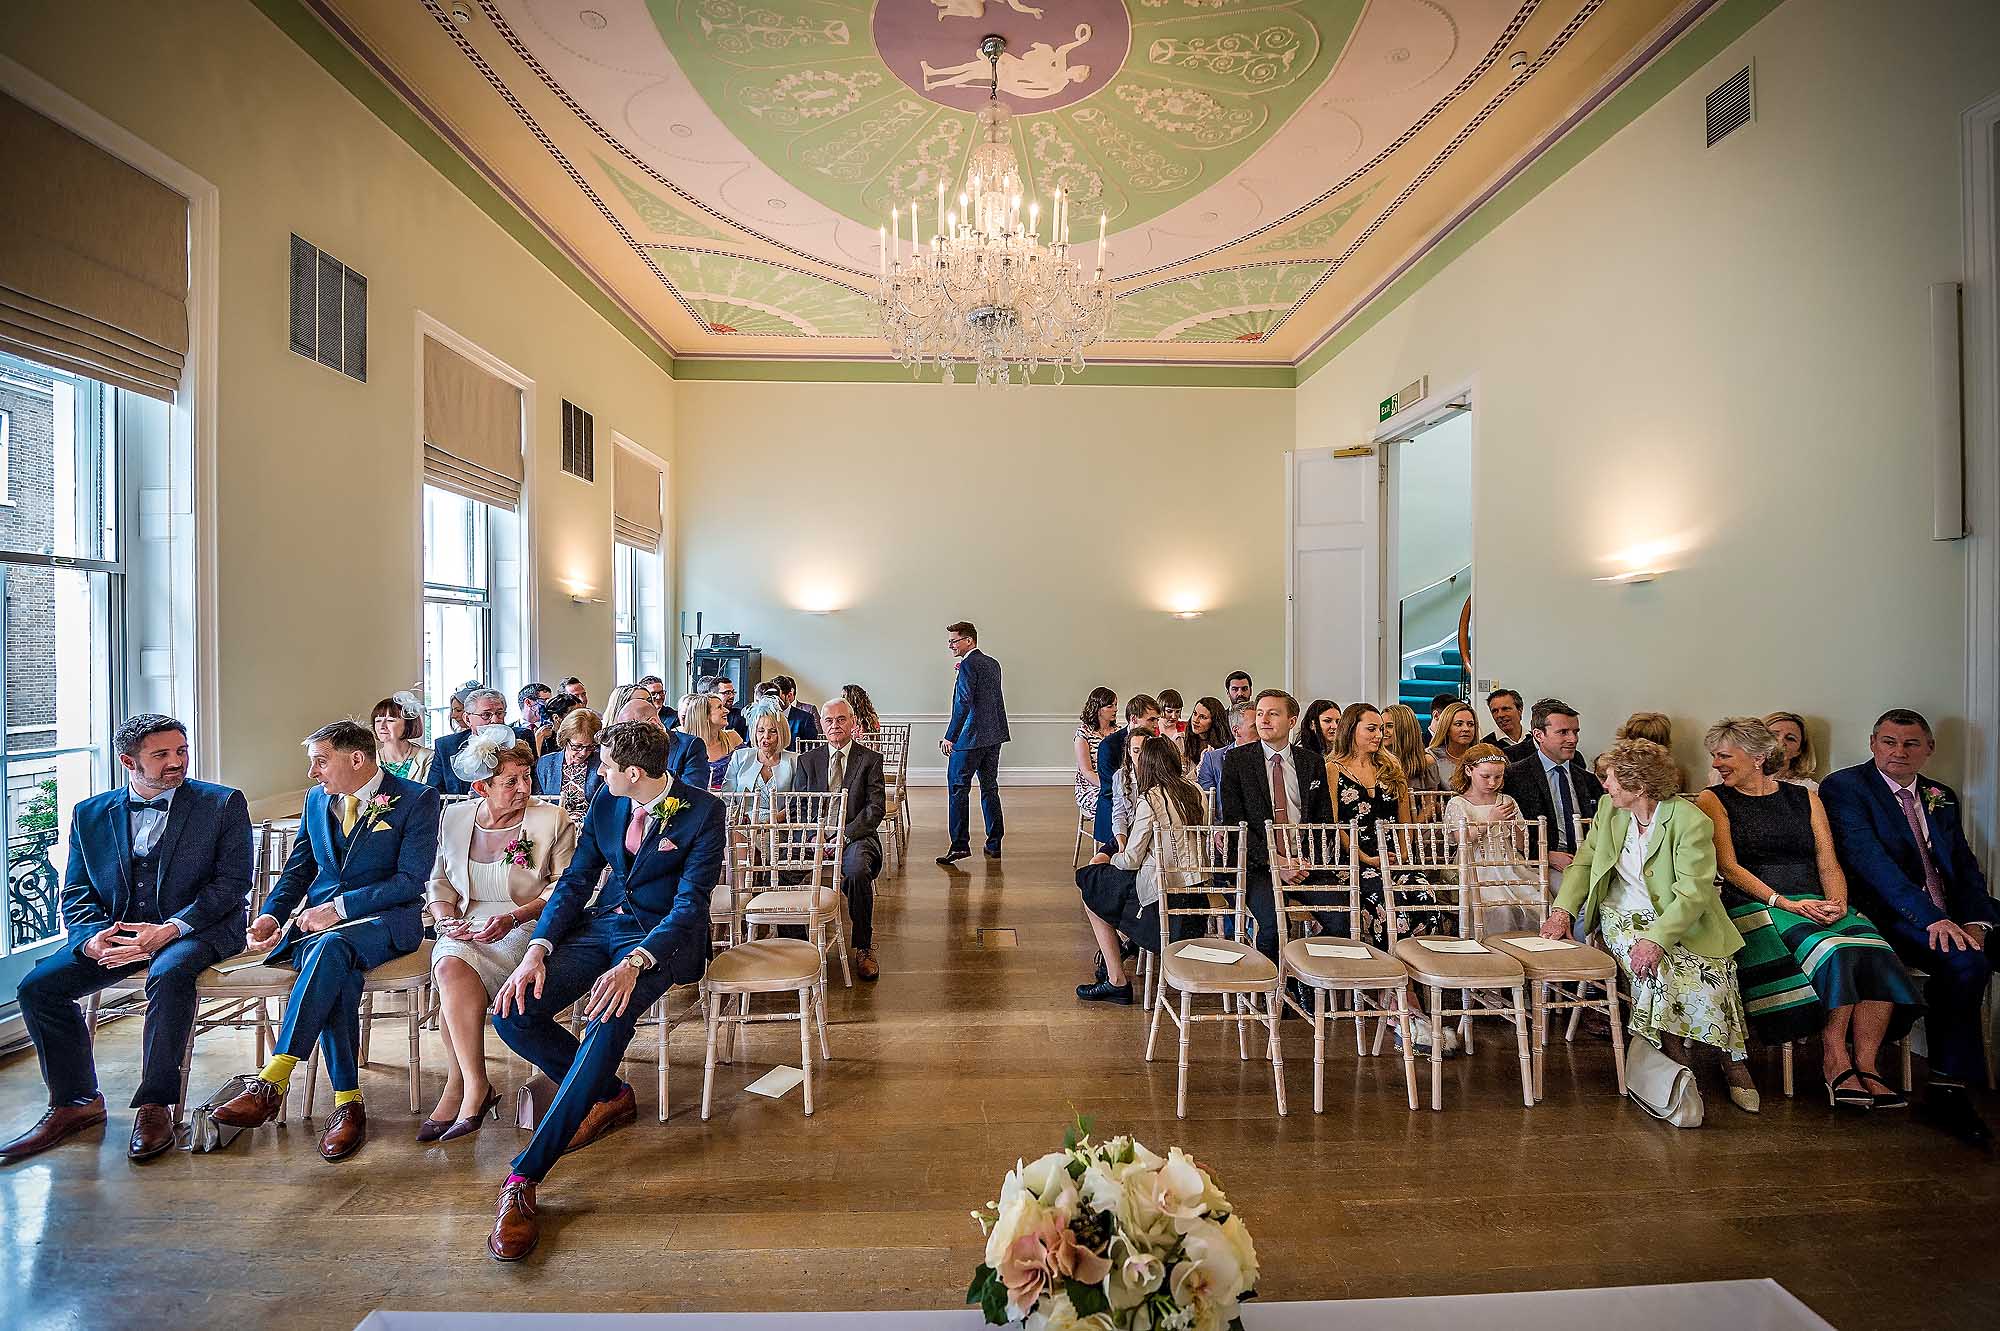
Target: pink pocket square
x: 667, y: 843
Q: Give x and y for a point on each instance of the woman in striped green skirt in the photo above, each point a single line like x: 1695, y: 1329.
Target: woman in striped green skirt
x: 1808, y: 962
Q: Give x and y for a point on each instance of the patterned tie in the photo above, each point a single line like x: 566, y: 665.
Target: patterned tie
x: 1932, y: 883
x: 350, y: 813
x: 837, y: 778
x: 1281, y: 809
x: 635, y: 831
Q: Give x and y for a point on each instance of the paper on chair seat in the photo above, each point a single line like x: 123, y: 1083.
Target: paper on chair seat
x: 1195, y: 952
x: 1343, y: 950
x: 777, y: 1081
x: 1451, y: 944
x: 1536, y: 943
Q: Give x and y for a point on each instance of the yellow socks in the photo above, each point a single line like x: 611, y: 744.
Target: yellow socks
x: 279, y: 1070
x: 346, y: 1098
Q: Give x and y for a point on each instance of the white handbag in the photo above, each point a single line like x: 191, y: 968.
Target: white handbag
x: 1663, y: 1088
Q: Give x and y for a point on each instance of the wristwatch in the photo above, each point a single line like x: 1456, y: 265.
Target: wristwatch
x: 638, y: 961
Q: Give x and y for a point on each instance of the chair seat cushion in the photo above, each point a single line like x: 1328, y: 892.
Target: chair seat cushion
x: 248, y: 981
x: 1377, y: 967
x: 791, y: 901
x: 1561, y: 963
x: 398, y: 972
x: 768, y: 963
x: 1250, y: 972
x: 1457, y: 970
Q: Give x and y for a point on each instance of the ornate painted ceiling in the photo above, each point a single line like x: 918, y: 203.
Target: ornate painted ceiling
x: 721, y: 167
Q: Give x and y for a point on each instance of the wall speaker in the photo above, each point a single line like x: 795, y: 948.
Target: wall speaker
x: 1947, y: 416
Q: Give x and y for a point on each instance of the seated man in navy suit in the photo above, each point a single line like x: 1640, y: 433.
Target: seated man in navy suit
x: 971, y: 744
x: 687, y: 757
x: 157, y: 876
x: 662, y: 840
x: 350, y: 898
x: 1901, y: 841
x: 1142, y: 716
x: 483, y: 707
x: 656, y: 688
x: 801, y: 717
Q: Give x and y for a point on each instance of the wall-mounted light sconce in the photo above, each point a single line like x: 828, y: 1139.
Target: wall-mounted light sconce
x: 1189, y: 614
x: 579, y: 598
x: 1635, y: 576
x: 829, y: 610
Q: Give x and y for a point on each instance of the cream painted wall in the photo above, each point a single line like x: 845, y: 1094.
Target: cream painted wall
x: 317, y: 536
x: 1065, y: 522
x: 1724, y: 350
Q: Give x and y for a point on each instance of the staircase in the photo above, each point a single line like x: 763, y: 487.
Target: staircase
x: 1437, y: 671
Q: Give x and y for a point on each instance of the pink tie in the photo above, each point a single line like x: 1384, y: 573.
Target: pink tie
x: 635, y: 831
x: 1932, y: 884
x: 1281, y: 811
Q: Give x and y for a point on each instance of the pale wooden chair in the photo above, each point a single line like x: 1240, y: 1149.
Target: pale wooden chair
x: 820, y: 907
x: 892, y: 741
x: 1376, y: 983
x: 1086, y: 838
x: 772, y: 965
x: 1489, y: 983
x: 407, y: 977
x: 1213, y: 866
x: 1427, y: 806
x: 1563, y: 979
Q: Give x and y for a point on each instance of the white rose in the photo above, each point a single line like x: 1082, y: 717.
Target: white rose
x: 1237, y: 1235
x: 1019, y: 1215
x: 1179, y: 1187
x: 1045, y: 1173
x: 1056, y: 1313
x: 1144, y: 1158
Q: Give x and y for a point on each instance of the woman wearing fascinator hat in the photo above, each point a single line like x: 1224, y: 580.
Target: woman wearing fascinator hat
x: 498, y: 856
x: 398, y: 721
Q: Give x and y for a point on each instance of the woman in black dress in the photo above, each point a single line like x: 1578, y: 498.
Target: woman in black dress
x: 1808, y: 961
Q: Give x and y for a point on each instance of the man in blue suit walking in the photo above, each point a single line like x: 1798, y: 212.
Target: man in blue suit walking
x: 662, y: 841
x: 350, y: 898
x: 157, y: 876
x: 971, y: 743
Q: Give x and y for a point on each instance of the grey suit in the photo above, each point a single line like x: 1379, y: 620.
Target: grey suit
x: 867, y: 799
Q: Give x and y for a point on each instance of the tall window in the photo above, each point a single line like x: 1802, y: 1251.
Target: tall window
x: 61, y: 638
x: 624, y: 614
x: 638, y: 633
x: 471, y: 603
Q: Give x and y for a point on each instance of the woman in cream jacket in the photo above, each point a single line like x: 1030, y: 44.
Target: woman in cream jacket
x: 498, y: 857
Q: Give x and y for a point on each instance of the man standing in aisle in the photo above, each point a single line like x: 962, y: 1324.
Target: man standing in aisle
x: 971, y: 743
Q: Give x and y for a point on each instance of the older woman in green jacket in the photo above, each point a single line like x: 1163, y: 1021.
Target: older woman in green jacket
x: 1645, y: 879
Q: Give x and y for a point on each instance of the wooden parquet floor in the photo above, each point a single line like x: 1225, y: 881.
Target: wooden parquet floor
x: 963, y: 1058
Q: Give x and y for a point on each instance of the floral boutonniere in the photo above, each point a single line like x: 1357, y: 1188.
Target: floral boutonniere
x: 375, y: 813
x: 669, y: 807
x: 520, y: 852
x: 1935, y: 799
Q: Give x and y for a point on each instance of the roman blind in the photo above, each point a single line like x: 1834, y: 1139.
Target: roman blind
x: 472, y: 429
x: 635, y: 500
x: 93, y: 259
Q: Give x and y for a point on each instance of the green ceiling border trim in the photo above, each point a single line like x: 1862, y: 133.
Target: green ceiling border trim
x: 1710, y: 35
x: 298, y: 22
x: 1100, y: 373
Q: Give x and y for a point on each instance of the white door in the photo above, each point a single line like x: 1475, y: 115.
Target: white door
x: 1334, y: 611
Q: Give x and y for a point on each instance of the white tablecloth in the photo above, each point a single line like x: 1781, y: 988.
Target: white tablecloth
x: 1742, y: 1305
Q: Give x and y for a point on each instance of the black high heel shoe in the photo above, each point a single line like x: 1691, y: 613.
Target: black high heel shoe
x: 1893, y: 1099
x: 1855, y: 1099
x: 490, y: 1107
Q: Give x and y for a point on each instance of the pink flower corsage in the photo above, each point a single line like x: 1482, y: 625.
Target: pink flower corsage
x: 520, y: 852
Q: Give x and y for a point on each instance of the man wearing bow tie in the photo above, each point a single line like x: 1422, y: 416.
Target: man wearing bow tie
x: 156, y: 881
x: 613, y: 956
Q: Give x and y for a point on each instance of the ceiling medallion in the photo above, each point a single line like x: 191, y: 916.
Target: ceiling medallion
x: 985, y: 288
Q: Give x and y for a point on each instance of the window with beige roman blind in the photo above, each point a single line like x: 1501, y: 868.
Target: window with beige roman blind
x: 93, y: 259
x: 635, y: 500
x: 472, y: 429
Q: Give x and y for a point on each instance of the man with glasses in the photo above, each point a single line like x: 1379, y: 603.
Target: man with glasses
x: 971, y: 743
x: 483, y: 707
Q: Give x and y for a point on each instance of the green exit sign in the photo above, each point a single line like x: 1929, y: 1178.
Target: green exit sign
x: 1386, y: 410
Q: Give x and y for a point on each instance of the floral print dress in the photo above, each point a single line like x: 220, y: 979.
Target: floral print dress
x: 1370, y: 805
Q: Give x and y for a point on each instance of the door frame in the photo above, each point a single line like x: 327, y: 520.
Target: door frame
x: 1980, y: 149
x: 1433, y: 409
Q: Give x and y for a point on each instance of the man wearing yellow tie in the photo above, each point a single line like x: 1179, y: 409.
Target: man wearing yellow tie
x: 364, y: 852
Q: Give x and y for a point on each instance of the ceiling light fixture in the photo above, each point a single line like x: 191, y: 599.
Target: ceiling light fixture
x: 985, y: 288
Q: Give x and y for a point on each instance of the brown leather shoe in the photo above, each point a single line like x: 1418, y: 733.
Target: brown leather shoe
x: 59, y: 1122
x: 345, y: 1132
x: 516, y: 1231
x: 252, y: 1107
x: 865, y: 964
x: 152, y: 1132
x: 605, y: 1116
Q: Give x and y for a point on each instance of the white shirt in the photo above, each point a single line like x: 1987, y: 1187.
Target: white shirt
x: 1291, y: 771
x: 1628, y: 887
x: 1896, y: 794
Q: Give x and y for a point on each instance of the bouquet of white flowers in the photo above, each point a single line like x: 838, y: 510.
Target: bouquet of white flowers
x: 1107, y: 1236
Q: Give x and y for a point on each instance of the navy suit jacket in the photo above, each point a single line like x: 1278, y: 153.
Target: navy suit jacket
x: 804, y: 724
x: 1880, y: 857
x: 1246, y: 798
x: 666, y: 886
x: 688, y: 759
x: 978, y: 715
x: 548, y: 775
x: 1111, y: 751
x: 381, y: 870
x: 205, y: 864
x: 1528, y: 786
x: 441, y: 778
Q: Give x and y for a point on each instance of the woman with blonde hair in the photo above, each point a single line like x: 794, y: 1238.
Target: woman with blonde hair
x: 1644, y: 877
x: 1403, y: 739
x: 1654, y: 726
x: 706, y: 717
x: 1453, y: 732
x: 498, y: 858
x: 1797, y: 763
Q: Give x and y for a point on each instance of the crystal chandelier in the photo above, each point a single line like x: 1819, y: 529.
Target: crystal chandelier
x: 984, y: 288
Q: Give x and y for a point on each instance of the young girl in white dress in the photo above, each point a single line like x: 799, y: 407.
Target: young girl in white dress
x: 1508, y: 894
